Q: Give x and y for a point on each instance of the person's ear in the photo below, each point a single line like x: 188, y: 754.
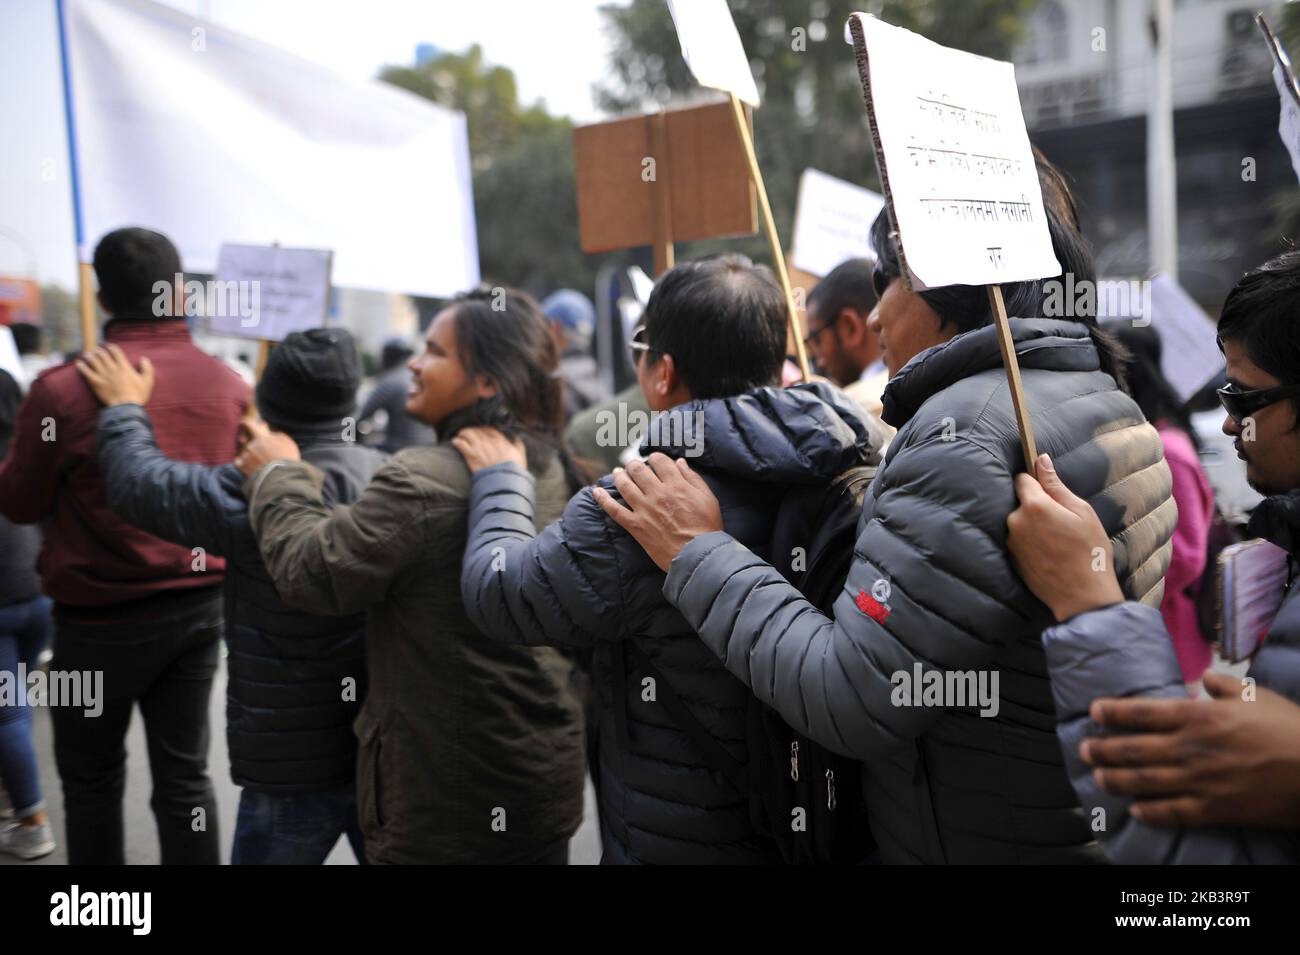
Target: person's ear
x: 484, y: 387
x: 666, y: 379
x: 850, y: 326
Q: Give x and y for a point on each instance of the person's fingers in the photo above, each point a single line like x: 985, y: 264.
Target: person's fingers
x: 692, y: 477
x: 94, y: 359
x: 629, y: 490
x: 619, y: 514
x: 1222, y: 686
x: 1183, y: 811
x: 462, y: 443
x: 116, y: 358
x: 1142, y: 780
x: 645, y: 479
x: 1051, y: 483
x: 1029, y: 491
x: 1146, y: 749
x: 1142, y: 714
x: 146, y: 370
x: 663, y: 468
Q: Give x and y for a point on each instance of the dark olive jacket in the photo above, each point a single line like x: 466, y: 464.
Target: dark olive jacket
x: 470, y: 751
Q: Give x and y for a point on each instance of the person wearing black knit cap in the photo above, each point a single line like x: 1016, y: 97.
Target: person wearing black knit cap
x: 296, y: 681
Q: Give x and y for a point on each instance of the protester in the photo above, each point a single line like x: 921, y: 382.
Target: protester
x: 1191, y: 492
x: 971, y: 773
x: 1183, y: 774
x: 469, y: 752
x: 573, y: 322
x: 144, y: 613
x: 24, y: 633
x: 295, y: 681
x: 712, y: 350
x: 401, y: 429
x: 836, y: 326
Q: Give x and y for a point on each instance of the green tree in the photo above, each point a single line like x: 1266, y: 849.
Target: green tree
x: 812, y: 112
x: 525, y: 198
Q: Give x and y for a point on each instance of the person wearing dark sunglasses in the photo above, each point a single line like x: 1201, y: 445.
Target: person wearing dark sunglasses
x: 837, y: 327
x: 1182, y: 780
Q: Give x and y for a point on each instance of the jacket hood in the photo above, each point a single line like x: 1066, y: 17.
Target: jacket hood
x: 799, y: 435
x: 1047, y: 343
x: 1277, y: 519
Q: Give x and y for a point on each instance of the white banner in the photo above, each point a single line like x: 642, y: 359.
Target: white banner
x: 211, y: 137
x: 832, y: 222
x: 954, y: 160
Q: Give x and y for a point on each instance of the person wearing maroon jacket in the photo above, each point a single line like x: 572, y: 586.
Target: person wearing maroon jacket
x: 144, y: 613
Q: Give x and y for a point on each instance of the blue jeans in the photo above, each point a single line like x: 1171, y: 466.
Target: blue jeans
x: 24, y: 632
x: 295, y: 828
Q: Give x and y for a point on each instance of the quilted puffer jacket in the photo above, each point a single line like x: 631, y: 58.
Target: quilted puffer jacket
x: 1125, y: 650
x: 288, y: 713
x: 933, y: 627
x: 584, y: 583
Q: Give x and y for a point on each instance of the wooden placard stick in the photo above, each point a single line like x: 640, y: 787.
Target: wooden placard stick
x: 1012, y: 366
x: 773, y: 240
x: 657, y: 134
x: 263, y: 353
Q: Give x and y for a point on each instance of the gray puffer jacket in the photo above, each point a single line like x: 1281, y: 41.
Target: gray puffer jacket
x: 932, y: 596
x: 1125, y: 650
x: 584, y: 583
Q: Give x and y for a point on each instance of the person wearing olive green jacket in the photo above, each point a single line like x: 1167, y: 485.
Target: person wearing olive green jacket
x: 470, y: 751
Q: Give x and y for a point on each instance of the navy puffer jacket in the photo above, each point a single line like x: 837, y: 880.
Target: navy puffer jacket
x: 932, y: 596
x: 583, y: 582
x: 296, y: 681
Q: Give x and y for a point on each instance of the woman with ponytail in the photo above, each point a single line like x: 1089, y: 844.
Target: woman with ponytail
x: 469, y: 751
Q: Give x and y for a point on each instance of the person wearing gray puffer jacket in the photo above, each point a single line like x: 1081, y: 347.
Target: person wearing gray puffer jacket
x: 582, y: 583
x: 931, y: 670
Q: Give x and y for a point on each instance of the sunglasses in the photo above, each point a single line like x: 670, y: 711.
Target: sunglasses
x: 637, y: 345
x: 1240, y: 405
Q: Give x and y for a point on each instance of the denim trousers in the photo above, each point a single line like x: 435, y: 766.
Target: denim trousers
x: 295, y: 828
x: 24, y: 633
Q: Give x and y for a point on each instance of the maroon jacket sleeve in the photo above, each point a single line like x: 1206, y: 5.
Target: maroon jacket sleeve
x: 28, y: 476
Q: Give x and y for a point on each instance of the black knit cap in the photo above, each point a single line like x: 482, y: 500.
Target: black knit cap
x: 310, y: 381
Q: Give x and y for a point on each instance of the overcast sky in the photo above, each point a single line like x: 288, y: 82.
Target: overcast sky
x: 355, y: 37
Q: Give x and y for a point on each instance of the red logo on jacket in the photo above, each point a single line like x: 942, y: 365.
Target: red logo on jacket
x: 872, y: 607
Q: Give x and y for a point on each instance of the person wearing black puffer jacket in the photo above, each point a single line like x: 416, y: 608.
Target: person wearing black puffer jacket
x: 296, y: 681
x: 711, y: 350
x: 930, y: 669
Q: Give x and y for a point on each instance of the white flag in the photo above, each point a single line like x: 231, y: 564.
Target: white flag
x: 210, y: 137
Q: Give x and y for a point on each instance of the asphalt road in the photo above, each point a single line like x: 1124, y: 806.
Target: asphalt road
x: 142, y: 837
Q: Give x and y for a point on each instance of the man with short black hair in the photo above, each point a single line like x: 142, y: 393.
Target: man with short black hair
x: 837, y: 328
x: 709, y: 359
x: 144, y: 613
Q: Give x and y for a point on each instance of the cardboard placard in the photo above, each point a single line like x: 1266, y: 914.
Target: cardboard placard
x: 711, y: 47
x: 701, y: 166
x: 832, y: 222
x: 276, y: 290
x: 954, y: 160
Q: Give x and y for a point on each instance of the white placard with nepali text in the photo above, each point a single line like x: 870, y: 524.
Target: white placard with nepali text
x: 954, y: 160
x: 277, y: 291
x: 711, y: 47
x: 832, y: 222
x: 1288, y: 120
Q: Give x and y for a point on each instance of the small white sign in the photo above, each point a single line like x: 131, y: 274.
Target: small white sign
x: 954, y: 160
x: 1189, y: 344
x: 266, y: 291
x: 832, y: 222
x: 712, y: 48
